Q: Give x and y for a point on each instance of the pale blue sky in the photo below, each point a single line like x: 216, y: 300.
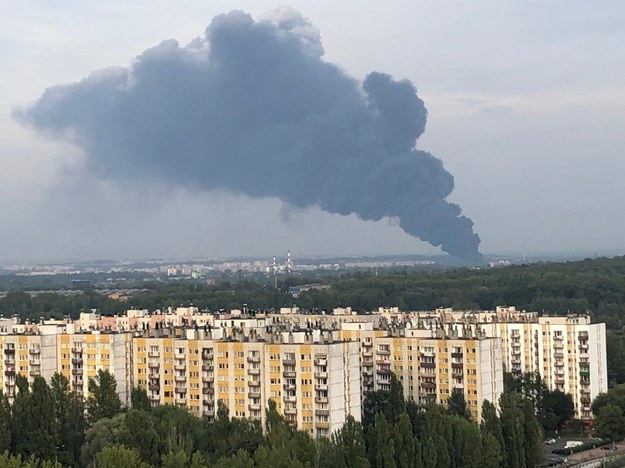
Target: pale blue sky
x: 526, y: 106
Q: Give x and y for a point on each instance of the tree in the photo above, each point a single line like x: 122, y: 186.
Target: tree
x: 555, y: 409
x: 532, y: 435
x: 103, y: 401
x: 396, y: 405
x: 512, y: 424
x: 22, y: 423
x: 610, y: 423
x: 119, y: 457
x: 69, y: 418
x: 139, y: 399
x: 457, y: 405
x: 241, y: 459
x: 491, y: 451
x: 140, y: 434
x: 104, y: 433
x: 407, y: 450
x: 44, y: 437
x: 350, y: 442
x: 5, y: 424
x: 491, y: 426
x: 380, y: 443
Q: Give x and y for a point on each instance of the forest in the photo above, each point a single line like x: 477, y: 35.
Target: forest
x: 46, y: 426
x: 594, y: 285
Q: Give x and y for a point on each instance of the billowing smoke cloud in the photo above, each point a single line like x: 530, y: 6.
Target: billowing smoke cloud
x: 252, y: 108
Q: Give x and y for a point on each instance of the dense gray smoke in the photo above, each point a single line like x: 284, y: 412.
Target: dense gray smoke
x: 252, y: 108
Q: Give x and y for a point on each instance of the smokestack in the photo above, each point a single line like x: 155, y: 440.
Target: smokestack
x: 253, y: 108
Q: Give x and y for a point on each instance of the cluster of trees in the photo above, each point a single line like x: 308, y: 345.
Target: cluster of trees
x: 594, y: 284
x: 46, y: 426
x: 609, y: 411
x: 553, y: 408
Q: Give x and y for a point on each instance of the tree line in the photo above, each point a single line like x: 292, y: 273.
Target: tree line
x: 595, y: 285
x: 47, y: 426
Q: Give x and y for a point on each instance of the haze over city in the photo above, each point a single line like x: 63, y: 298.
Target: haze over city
x: 524, y: 105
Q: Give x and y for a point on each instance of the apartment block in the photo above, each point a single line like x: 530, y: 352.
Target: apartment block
x: 315, y: 384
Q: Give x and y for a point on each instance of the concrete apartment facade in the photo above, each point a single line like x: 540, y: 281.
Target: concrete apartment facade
x: 316, y: 368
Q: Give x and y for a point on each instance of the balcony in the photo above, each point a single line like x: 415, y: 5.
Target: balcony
x: 34, y: 352
x: 367, y: 344
x: 287, y: 386
x: 208, y: 413
x: 77, y: 371
x: 34, y: 363
x: 155, y: 398
x: 180, y: 356
x: 8, y: 351
x: 155, y: 376
x: 180, y: 378
x: 321, y: 362
x: 181, y: 401
x: 154, y: 354
x: 456, y: 355
x: 288, y: 362
x: 289, y: 399
x: 180, y: 367
x: 289, y: 374
x: 321, y: 399
x: 154, y: 387
x: 207, y: 354
x: 427, y: 365
x: 384, y: 352
x: 208, y: 403
x: 76, y: 361
x: 367, y: 354
x: 208, y: 367
x: 367, y: 373
x: 253, y: 383
x: 290, y: 410
x: 253, y: 395
x: 208, y: 390
x: 253, y: 359
x: 428, y: 385
x: 9, y: 373
x: 253, y: 407
x: 322, y: 424
x: 457, y: 365
x: 321, y: 388
x: 9, y: 362
x: 151, y: 365
x: 558, y: 355
x: 252, y: 371
x: 35, y: 373
x: 206, y: 379
x: 322, y: 412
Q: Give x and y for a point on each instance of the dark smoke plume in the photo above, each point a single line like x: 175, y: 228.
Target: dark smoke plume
x: 254, y: 109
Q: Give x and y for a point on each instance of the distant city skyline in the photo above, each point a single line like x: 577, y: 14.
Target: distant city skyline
x: 524, y: 109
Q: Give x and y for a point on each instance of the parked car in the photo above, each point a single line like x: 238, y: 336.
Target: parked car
x: 550, y: 441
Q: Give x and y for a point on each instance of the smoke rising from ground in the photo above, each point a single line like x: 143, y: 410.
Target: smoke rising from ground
x: 253, y: 109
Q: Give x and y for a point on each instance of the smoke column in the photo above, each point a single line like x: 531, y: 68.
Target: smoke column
x: 252, y: 108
